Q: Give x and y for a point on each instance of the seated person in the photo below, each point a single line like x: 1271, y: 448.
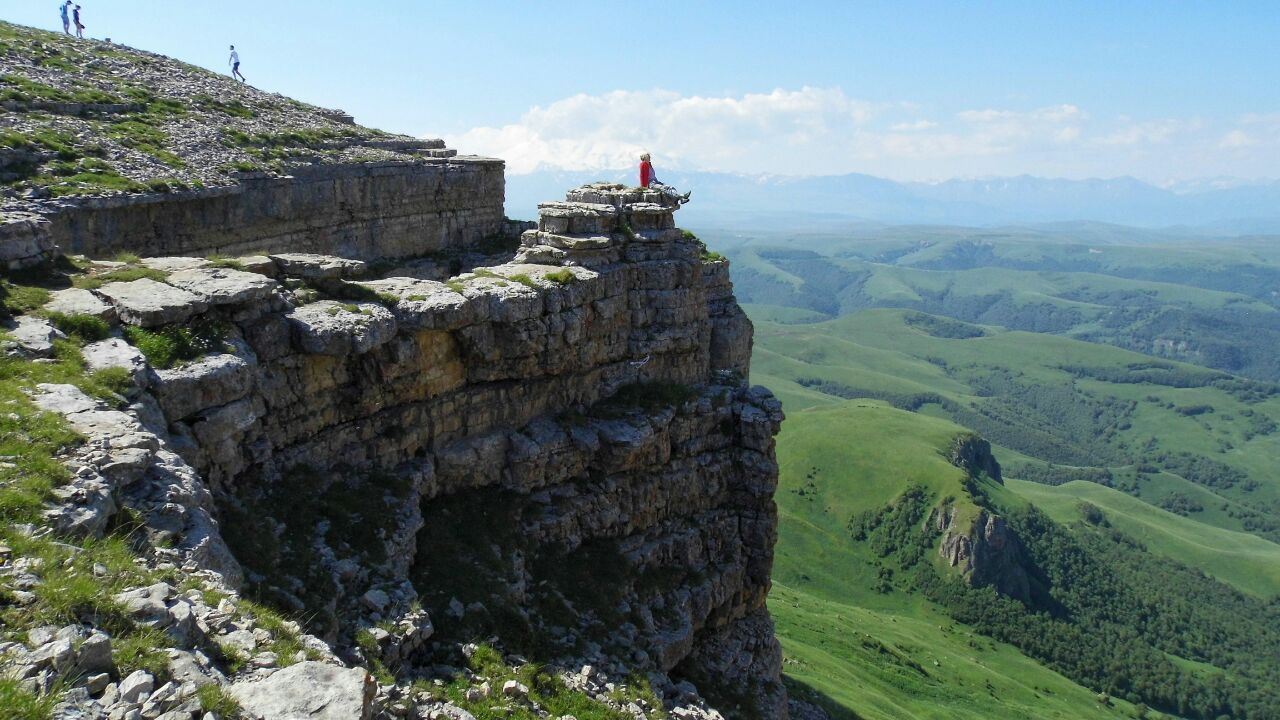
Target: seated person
x: 649, y: 179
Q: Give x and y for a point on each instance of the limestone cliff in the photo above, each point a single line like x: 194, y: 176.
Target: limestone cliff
x: 558, y: 451
x: 974, y: 540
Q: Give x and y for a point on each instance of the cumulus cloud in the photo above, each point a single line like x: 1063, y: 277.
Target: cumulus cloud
x: 812, y: 130
x: 610, y: 130
x: 1236, y: 139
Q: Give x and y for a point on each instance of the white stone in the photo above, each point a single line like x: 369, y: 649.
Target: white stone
x: 138, y: 683
x: 309, y: 691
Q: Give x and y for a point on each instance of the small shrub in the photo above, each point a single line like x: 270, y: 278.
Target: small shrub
x: 524, y: 280
x: 128, y: 258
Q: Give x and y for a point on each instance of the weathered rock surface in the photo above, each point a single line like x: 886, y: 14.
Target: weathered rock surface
x: 587, y: 412
x: 149, y: 303
x: 116, y: 353
x: 75, y: 301
x: 309, y: 691
x: 223, y: 286
x: 33, y: 336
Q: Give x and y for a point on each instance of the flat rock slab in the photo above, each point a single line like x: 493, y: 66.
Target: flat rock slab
x: 309, y: 691
x: 317, y: 267
x: 34, y: 336
x: 75, y: 301
x: 174, y: 264
x: 116, y: 353
x: 331, y: 328
x: 224, y: 286
x: 149, y: 303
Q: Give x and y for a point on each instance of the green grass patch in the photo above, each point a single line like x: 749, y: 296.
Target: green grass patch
x: 215, y: 699
x: 235, y: 108
x: 82, y: 328
x: 169, y: 346
x: 19, y: 703
x: 561, y: 277
x: 128, y: 274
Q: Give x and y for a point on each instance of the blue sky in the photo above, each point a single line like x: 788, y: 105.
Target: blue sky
x: 911, y: 90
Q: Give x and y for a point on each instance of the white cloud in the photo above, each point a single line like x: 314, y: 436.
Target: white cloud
x: 911, y: 126
x: 610, y: 130
x: 1155, y: 132
x: 813, y: 131
x: 1236, y: 139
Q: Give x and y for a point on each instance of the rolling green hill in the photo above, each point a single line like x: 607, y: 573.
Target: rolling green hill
x: 886, y: 654
x: 874, y: 399
x: 1177, y: 302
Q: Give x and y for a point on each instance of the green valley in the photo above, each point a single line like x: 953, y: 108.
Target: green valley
x: 1138, y: 482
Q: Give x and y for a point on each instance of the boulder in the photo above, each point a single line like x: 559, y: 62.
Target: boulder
x: 149, y: 303
x: 309, y: 691
x: 137, y: 684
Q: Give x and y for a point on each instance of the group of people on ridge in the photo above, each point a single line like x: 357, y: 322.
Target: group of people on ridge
x: 72, y: 17
x: 68, y: 16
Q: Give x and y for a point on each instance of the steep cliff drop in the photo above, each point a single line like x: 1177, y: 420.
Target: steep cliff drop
x: 554, y: 452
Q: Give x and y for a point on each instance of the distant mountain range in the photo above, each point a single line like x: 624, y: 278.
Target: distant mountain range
x: 1212, y: 207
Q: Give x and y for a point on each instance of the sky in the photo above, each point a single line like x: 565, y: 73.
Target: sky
x: 1164, y: 91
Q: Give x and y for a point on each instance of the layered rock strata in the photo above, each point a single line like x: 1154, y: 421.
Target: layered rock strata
x: 560, y: 449
x: 384, y: 211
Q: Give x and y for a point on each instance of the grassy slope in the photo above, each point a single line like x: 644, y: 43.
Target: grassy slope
x: 1239, y: 559
x: 875, y: 349
x: 888, y: 655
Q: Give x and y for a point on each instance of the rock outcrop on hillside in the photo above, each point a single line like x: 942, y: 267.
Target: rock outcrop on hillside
x: 558, y: 451
x: 977, y: 542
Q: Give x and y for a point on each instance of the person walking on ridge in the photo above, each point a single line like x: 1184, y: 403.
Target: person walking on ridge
x: 66, y: 17
x: 649, y: 179
x: 234, y: 62
x: 79, y: 25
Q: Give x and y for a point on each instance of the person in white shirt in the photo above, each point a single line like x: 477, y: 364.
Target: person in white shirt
x: 234, y: 62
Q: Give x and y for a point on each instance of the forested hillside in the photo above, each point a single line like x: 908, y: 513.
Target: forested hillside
x: 1128, y: 394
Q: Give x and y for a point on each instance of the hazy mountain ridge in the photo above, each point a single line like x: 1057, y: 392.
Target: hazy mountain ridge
x: 770, y: 201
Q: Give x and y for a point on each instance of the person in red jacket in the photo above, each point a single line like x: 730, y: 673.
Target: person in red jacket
x: 649, y: 179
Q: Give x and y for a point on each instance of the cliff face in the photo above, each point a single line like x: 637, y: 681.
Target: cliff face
x: 559, y: 451
x: 373, y: 211
x: 978, y: 542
